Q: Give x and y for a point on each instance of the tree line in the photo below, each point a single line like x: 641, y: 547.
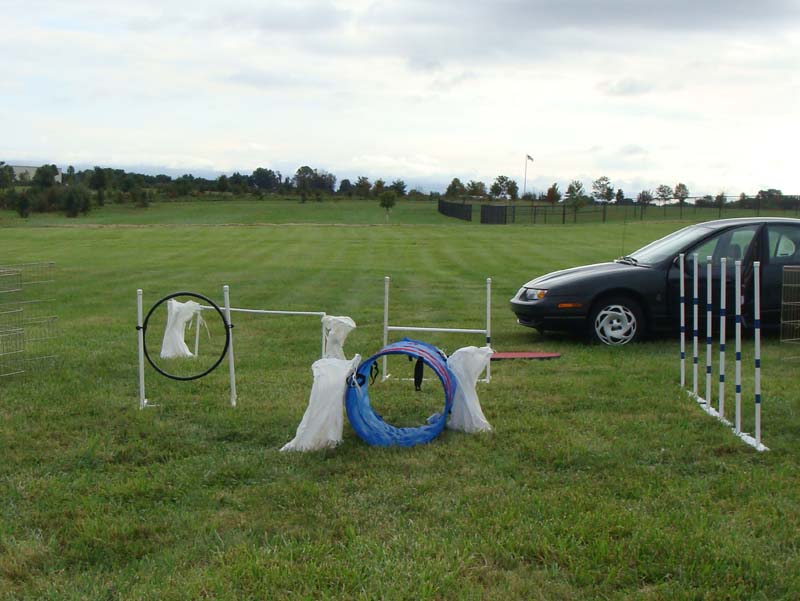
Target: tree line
x: 603, y: 191
x: 78, y: 191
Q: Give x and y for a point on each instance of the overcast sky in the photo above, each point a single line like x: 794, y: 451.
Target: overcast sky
x: 706, y: 92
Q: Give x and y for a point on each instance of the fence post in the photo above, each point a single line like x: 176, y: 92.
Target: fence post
x: 564, y: 214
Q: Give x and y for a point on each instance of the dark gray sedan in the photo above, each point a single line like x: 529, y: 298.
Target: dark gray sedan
x: 635, y: 295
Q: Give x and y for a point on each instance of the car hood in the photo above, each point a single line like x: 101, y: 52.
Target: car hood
x: 566, y: 277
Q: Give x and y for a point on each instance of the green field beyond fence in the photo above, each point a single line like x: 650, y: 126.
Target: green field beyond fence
x: 601, y: 479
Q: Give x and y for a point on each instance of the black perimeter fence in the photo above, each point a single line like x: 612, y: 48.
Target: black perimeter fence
x: 561, y: 214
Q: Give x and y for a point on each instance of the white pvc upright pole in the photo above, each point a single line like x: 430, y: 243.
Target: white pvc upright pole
x: 708, y: 331
x: 682, y: 302
x: 386, y: 281
x: 197, y: 334
x: 140, y: 334
x: 757, y: 350
x: 722, y: 319
x: 738, y: 371
x: 322, y: 350
x: 695, y: 326
x: 231, y: 365
x: 489, y: 316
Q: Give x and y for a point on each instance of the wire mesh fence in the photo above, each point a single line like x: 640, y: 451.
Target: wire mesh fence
x: 29, y: 324
x: 534, y: 213
x: 790, y: 305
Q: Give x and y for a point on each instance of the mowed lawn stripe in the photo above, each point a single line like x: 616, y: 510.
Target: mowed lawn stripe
x: 601, y: 479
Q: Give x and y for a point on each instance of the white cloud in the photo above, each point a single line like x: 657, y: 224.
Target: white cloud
x: 703, y: 92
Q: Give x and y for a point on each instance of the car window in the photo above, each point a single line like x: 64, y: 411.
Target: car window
x: 730, y: 244
x: 784, y: 243
x: 669, y: 246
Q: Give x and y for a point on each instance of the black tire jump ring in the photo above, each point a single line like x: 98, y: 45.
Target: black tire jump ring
x: 225, y: 323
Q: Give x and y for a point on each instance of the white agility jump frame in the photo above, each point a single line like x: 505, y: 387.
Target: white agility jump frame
x: 487, y: 331
x: 227, y: 309
x: 705, y: 401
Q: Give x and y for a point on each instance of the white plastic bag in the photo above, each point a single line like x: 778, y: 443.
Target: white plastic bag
x: 467, y: 364
x: 336, y: 330
x: 178, y: 315
x: 321, y: 426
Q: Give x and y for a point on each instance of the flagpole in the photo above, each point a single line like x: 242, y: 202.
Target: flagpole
x: 525, y: 179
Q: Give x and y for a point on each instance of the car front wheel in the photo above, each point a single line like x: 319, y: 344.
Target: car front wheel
x: 616, y: 321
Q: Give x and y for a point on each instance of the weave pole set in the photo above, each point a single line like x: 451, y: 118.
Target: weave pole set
x: 705, y: 401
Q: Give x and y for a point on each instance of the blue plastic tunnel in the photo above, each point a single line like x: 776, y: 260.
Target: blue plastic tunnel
x: 369, y: 426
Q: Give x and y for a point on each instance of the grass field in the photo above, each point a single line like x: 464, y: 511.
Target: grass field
x: 602, y: 480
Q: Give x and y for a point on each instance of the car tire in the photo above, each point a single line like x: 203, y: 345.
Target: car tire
x: 616, y: 320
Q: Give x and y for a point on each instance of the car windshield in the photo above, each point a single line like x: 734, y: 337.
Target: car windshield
x: 667, y: 247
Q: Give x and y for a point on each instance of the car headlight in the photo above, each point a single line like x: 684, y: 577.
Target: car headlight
x: 531, y: 294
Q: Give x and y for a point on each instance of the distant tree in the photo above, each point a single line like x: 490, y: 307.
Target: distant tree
x: 346, y: 188
x: 324, y: 182
x: 602, y: 190
x: 553, y: 194
x: 645, y: 197
x: 222, y: 183
x: 476, y: 189
x: 6, y: 175
x: 21, y: 203
x: 387, y: 200
x: 237, y: 183
x: 378, y: 187
x: 576, y: 195
x: 184, y: 185
x: 75, y: 200
x: 303, y: 180
x: 681, y: 192
x: 771, y: 197
x: 664, y: 193
x: 140, y: 197
x: 69, y: 176
x: 45, y: 176
x: 266, y: 179
x: 99, y: 182
x: 504, y: 187
x: 456, y: 189
x: 363, y: 186
x: 512, y: 189
x: 619, y: 197
x: 398, y: 186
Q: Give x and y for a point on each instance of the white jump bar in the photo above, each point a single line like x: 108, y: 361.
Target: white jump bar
x: 420, y: 329
x: 270, y: 312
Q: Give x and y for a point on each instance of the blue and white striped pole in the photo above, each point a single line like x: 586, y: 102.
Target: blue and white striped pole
x: 757, y: 337
x: 695, y: 302
x: 708, y: 332
x: 682, y: 299
x: 737, y: 424
x: 722, y: 318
